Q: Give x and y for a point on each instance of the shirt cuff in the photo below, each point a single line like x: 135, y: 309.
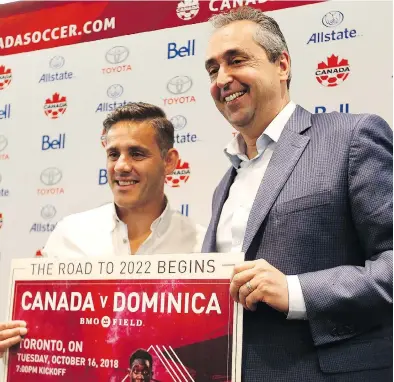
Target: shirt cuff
x: 297, y: 308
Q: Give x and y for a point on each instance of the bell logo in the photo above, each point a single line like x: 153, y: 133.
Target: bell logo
x: 180, y: 175
x: 56, y: 106
x: 5, y: 77
x: 333, y: 72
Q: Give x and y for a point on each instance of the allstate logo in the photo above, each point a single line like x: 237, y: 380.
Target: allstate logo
x: 117, y: 54
x: 115, y: 91
x: 179, y: 84
x: 51, y: 176
x: 3, y: 142
x: 332, y: 19
x: 179, y: 122
x: 57, y: 62
x: 48, y: 212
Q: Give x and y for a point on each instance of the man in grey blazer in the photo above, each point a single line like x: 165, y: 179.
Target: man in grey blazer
x: 308, y: 198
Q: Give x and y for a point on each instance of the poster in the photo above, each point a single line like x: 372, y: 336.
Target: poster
x: 156, y: 318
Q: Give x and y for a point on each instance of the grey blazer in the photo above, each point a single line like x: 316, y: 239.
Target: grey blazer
x: 323, y: 211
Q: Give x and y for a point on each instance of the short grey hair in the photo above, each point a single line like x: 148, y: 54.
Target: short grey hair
x: 268, y: 34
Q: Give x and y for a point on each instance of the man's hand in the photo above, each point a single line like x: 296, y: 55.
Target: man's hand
x: 258, y: 281
x: 10, y: 334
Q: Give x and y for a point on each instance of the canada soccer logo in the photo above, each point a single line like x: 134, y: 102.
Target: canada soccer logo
x: 1, y: 220
x: 5, y: 77
x: 180, y: 175
x: 187, y: 9
x: 333, y: 72
x: 38, y: 253
x: 56, y: 106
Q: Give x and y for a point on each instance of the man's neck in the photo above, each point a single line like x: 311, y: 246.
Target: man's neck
x: 139, y: 220
x: 251, y: 133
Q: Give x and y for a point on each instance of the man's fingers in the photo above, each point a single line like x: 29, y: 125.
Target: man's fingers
x: 4, y: 345
x: 252, y: 299
x: 244, y: 292
x: 9, y: 333
x: 239, y: 280
x: 12, y: 324
x: 243, y: 266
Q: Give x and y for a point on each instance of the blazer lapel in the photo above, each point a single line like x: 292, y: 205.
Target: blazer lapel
x: 219, y: 198
x: 288, y: 150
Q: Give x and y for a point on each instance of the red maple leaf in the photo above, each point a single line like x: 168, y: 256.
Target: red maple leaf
x: 56, y: 98
x: 3, y: 70
x: 332, y: 62
x: 180, y: 166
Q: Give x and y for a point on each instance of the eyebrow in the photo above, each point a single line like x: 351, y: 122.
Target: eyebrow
x: 227, y: 54
x: 132, y: 148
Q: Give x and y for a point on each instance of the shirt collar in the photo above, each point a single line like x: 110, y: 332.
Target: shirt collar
x: 236, y: 149
x: 159, y: 226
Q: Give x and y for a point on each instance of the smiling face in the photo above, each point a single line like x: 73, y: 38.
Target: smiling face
x: 247, y: 88
x: 135, y: 166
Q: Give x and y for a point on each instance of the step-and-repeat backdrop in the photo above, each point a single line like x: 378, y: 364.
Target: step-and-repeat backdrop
x: 63, y: 67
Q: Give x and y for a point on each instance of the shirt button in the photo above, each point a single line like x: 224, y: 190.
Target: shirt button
x: 124, y: 241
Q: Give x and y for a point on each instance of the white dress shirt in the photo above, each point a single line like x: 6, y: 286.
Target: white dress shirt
x: 243, y: 191
x: 100, y: 232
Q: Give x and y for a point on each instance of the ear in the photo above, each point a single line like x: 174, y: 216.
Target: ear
x: 171, y: 161
x: 284, y: 66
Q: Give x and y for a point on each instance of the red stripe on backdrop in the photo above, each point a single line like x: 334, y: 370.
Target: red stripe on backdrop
x: 28, y: 26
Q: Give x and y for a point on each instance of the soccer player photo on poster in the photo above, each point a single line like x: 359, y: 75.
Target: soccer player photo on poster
x: 148, y: 318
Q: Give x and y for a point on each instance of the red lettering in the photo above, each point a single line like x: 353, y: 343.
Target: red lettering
x: 176, y: 100
x: 116, y: 69
x: 50, y: 191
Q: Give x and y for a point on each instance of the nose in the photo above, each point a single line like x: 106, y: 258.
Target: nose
x: 224, y: 78
x: 123, y: 165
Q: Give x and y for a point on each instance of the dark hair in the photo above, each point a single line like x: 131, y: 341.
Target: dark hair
x: 141, y: 112
x: 141, y: 354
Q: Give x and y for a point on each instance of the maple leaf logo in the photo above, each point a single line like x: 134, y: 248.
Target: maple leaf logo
x: 5, y: 77
x: 333, y: 72
x: 332, y: 62
x: 1, y: 220
x: 56, y: 106
x: 180, y: 175
x: 3, y: 70
x: 55, y: 98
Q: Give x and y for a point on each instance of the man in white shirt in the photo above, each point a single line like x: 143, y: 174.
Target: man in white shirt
x: 308, y: 198
x: 139, y: 142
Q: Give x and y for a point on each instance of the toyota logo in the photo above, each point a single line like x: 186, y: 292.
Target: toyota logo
x: 57, y: 62
x: 332, y: 19
x: 115, y: 91
x: 179, y: 122
x: 48, y: 212
x: 3, y: 142
x: 51, y: 176
x: 179, y: 84
x: 117, y: 54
